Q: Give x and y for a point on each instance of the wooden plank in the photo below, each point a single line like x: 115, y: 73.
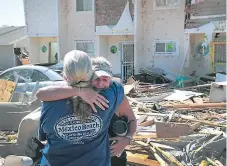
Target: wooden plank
x: 141, y: 159
x: 6, y: 90
x: 197, y: 105
x: 128, y: 88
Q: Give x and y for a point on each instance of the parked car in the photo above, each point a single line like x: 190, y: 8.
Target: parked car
x: 43, y: 75
x: 35, y: 73
x: 22, y: 103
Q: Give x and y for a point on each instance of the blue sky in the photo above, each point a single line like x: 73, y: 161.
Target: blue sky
x: 12, y: 12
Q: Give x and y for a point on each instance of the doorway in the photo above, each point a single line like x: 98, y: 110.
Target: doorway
x: 53, y: 52
x: 127, y: 60
x: 218, y: 56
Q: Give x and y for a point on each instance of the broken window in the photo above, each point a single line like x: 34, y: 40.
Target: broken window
x: 166, y: 3
x: 86, y: 46
x: 84, y: 5
x: 168, y: 47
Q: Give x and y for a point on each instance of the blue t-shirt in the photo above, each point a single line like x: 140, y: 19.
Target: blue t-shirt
x: 72, y: 143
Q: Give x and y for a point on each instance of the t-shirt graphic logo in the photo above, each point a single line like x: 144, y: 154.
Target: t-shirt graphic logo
x: 70, y: 128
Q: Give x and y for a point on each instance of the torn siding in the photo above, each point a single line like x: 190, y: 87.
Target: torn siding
x: 108, y: 12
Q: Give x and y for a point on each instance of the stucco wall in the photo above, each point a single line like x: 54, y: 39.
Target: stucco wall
x: 139, y: 35
x: 41, y: 17
x: 35, y: 45
x: 7, y: 57
x: 63, y: 28
x: 80, y: 25
x: 165, y: 24
x: 73, y: 26
x: 105, y: 42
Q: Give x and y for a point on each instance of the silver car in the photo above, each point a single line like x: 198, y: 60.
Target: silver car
x: 35, y: 73
x: 12, y: 112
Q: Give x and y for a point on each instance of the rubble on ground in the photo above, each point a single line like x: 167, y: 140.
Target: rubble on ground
x: 177, y: 126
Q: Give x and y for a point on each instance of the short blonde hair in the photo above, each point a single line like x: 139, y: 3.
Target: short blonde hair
x: 77, y: 67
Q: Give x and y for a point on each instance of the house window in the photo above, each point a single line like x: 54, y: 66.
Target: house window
x: 86, y: 46
x: 168, y: 47
x: 164, y: 4
x: 84, y: 5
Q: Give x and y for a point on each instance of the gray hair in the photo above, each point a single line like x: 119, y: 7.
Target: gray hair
x: 77, y: 67
x: 101, y: 61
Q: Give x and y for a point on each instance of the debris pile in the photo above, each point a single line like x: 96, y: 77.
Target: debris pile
x: 182, y: 127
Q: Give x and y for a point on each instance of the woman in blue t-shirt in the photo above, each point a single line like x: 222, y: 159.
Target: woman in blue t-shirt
x: 65, y: 133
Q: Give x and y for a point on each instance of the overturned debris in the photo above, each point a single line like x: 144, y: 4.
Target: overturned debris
x: 186, y: 129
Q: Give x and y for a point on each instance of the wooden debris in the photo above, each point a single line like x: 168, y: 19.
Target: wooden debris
x: 195, y: 126
x: 171, y: 129
x: 168, y: 156
x: 203, y: 122
x: 141, y: 159
x: 159, y: 159
x: 147, y: 123
x: 128, y: 88
x: 195, y: 105
x: 6, y: 90
x: 212, y: 162
x: 218, y: 163
x: 203, y: 163
x: 142, y: 119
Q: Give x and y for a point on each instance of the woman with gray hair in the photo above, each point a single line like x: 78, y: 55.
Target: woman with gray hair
x: 74, y: 138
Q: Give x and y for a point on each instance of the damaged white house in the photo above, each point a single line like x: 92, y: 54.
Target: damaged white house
x: 131, y: 34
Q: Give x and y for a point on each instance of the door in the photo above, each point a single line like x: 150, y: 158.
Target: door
x: 53, y: 55
x: 127, y: 60
x: 218, y: 56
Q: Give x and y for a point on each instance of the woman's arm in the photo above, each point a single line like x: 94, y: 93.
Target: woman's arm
x: 52, y: 93
x: 124, y: 110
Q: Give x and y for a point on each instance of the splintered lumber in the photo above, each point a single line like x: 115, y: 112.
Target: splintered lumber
x: 141, y: 159
x: 203, y: 163
x: 212, y: 162
x: 150, y: 135
x: 198, y: 86
x: 159, y: 159
x: 218, y: 163
x: 128, y: 88
x: 197, y: 105
x: 6, y: 90
x: 168, y: 156
x: 203, y: 121
x: 147, y: 123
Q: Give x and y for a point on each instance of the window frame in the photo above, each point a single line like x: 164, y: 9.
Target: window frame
x: 79, y: 11
x: 176, y: 53
x: 155, y: 7
x: 86, y: 41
